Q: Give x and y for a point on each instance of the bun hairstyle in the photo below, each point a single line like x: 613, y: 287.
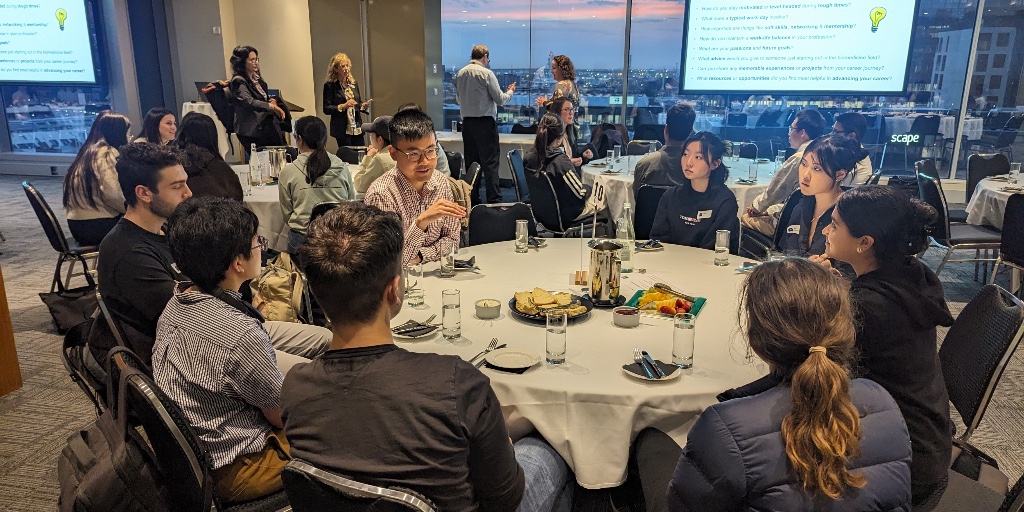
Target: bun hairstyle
x: 899, y: 224
x: 314, y: 135
x: 712, y: 148
x: 799, y: 319
x: 549, y: 130
x: 836, y: 153
x: 238, y: 57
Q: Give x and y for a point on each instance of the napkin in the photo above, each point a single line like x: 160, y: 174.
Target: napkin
x: 415, y: 331
x: 470, y: 263
x: 635, y: 369
x: 517, y: 371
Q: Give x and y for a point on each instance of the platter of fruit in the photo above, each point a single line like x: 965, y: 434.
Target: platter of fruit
x: 657, y: 301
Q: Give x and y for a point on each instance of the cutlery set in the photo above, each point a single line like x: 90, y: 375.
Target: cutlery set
x: 647, y: 364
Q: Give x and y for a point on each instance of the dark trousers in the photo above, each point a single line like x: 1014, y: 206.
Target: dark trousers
x: 480, y: 140
x: 92, y: 231
x: 655, y: 456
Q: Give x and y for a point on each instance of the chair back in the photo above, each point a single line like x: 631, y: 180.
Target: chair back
x: 1014, y: 501
x: 765, y: 148
x: 455, y: 161
x: 115, y: 329
x: 875, y: 177
x: 736, y: 120
x: 518, y: 128
x: 47, y: 219
x: 647, y: 199
x: 472, y: 173
x: 784, y: 216
x: 977, y: 350
x: 926, y: 125
x: 649, y: 132
x: 642, y: 147
x: 311, y: 489
x: 321, y: 209
x: 1011, y: 247
x: 1014, y: 123
x: 73, y: 356
x: 545, y: 205
x: 981, y: 166
x: 348, y: 154
x: 496, y: 222
x: 515, y: 164
x: 748, y: 150
x: 1006, y: 138
x: 931, y: 193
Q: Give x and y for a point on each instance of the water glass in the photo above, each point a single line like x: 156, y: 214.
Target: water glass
x: 611, y: 156
x: 451, y: 315
x: 682, y: 340
x: 554, y: 343
x: 752, y: 171
x: 736, y: 151
x: 522, y: 236
x: 243, y: 178
x: 447, y: 264
x: 722, y: 248
x: 618, y: 151
x: 455, y: 126
x: 780, y: 158
x: 413, y: 287
x: 1014, y: 173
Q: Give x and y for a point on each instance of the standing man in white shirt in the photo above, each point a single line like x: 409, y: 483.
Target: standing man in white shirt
x: 478, y: 94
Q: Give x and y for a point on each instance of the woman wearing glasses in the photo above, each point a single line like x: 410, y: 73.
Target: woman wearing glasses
x: 563, y: 108
x: 256, y: 113
x: 548, y: 156
x: 315, y: 177
x: 342, y: 102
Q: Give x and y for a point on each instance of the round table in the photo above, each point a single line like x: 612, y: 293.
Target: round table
x: 619, y: 186
x: 588, y: 409
x: 989, y: 203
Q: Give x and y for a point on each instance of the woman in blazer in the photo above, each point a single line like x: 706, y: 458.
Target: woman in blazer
x: 342, y: 102
x: 256, y: 113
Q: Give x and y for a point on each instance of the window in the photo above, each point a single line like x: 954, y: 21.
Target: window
x: 985, y: 41
x: 655, y: 48
x: 1003, y: 39
x: 999, y: 61
x: 981, y: 63
x: 995, y: 82
x: 51, y: 119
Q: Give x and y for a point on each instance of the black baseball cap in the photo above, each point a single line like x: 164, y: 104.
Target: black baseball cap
x: 378, y: 127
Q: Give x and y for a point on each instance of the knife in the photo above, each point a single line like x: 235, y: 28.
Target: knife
x: 484, y: 359
x: 654, y: 365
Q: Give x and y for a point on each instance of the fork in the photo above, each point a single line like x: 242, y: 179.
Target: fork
x: 411, y: 323
x: 639, y: 359
x: 494, y: 343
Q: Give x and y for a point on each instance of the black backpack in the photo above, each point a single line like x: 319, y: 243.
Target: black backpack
x: 222, y: 100
x: 608, y: 138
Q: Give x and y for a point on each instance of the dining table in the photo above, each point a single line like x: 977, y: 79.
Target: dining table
x: 988, y: 203
x: 589, y: 409
x: 617, y: 179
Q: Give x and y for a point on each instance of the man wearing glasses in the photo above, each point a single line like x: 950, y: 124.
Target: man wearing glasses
x: 478, y: 94
x: 421, y: 197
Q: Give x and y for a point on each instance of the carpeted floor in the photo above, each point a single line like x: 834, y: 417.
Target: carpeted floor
x: 36, y: 420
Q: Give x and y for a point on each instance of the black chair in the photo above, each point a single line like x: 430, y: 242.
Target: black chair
x: 876, y: 152
x: 748, y: 150
x: 114, y: 327
x: 876, y: 176
x: 736, y: 120
x: 981, y: 166
x: 1011, y: 247
x: 73, y: 354
x: 496, y: 222
x: 515, y: 164
x: 547, y: 210
x: 528, y: 130
x: 311, y: 489
x: 650, y: 132
x: 757, y: 245
x: 974, y: 355
x: 647, y: 199
x: 348, y: 154
x: 952, y: 237
x: 927, y: 166
x: 455, y: 161
x: 1001, y: 143
x: 642, y: 147
x: 67, y: 247
x: 472, y: 173
x: 925, y: 129
x: 765, y: 148
x: 321, y: 209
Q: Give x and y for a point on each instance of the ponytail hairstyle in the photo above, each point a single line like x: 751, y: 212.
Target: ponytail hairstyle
x: 712, y: 148
x: 836, y: 153
x: 899, y: 224
x: 799, y: 320
x: 549, y: 130
x: 81, y: 184
x: 314, y: 135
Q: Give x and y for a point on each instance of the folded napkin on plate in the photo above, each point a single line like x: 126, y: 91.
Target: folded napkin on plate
x: 470, y: 263
x: 635, y: 369
x: 517, y: 371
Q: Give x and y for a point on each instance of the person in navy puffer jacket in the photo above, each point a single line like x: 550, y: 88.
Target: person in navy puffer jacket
x: 812, y: 438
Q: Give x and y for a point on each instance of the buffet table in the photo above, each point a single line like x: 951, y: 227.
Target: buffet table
x: 589, y: 409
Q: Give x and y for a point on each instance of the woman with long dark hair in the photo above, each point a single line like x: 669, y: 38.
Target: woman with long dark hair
x: 899, y: 303
x: 159, y: 126
x: 342, y: 102
x: 93, y: 200
x: 256, y: 113
x: 812, y: 437
x: 548, y: 156
x: 315, y: 177
x: 691, y: 213
x: 208, y: 173
x: 563, y: 108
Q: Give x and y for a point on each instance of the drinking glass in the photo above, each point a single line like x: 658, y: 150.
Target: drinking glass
x: 451, y: 315
x: 447, y: 264
x: 618, y: 151
x: 455, y: 126
x: 1014, y: 173
x: 522, y: 236
x: 611, y: 156
x: 780, y: 158
x: 683, y: 333
x: 554, y: 343
x: 736, y: 151
x: 752, y: 171
x: 243, y: 178
x: 722, y: 247
x: 413, y: 287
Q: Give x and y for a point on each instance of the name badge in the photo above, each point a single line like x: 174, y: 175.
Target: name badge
x: 704, y: 214
x: 794, y: 229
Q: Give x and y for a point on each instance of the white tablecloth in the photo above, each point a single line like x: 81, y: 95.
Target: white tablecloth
x: 589, y: 410
x: 206, y: 108
x: 947, y: 126
x: 988, y: 204
x: 452, y: 141
x: 619, y: 187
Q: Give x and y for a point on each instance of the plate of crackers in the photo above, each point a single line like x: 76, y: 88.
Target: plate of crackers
x: 538, y: 303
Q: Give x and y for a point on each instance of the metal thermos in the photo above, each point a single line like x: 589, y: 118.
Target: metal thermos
x: 605, y: 269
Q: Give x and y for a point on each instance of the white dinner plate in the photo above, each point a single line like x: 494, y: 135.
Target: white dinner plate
x: 434, y: 330
x: 672, y: 376
x: 512, y: 359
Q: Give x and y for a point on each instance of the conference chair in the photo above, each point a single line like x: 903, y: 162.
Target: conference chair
x: 757, y: 245
x: 647, y: 199
x: 518, y: 168
x: 68, y: 248
x: 320, y: 209
x: 1011, y: 247
x: 311, y: 489
x: 927, y: 166
x: 748, y: 150
x: 72, y: 354
x: 548, y: 211
x: 650, y: 132
x: 490, y: 223
x: 642, y: 147
x: 981, y: 166
x: 524, y: 130
x: 1001, y: 143
x: 925, y: 130
x: 455, y: 161
x: 952, y: 237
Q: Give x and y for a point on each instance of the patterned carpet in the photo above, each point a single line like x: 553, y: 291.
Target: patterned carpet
x: 36, y: 420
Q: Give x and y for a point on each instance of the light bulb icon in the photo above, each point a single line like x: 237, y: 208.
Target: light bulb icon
x: 61, y: 16
x: 877, y: 14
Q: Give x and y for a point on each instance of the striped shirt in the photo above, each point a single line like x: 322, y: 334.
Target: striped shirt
x: 219, y: 367
x: 392, y: 192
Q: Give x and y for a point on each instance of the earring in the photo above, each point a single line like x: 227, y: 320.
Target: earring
x: 860, y: 249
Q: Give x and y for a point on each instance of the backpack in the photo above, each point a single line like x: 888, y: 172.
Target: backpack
x: 277, y: 292
x: 222, y: 100
x: 109, y: 466
x: 608, y: 137
x: 462, y: 192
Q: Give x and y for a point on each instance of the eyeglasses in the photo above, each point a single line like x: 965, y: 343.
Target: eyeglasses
x: 262, y: 243
x: 415, y: 155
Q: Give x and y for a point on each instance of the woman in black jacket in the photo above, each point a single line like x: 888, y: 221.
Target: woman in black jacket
x: 691, y: 213
x: 548, y: 156
x: 256, y: 113
x: 899, y: 302
x: 342, y: 102
x: 208, y: 173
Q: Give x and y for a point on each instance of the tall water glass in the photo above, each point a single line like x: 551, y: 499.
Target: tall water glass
x: 736, y: 151
x: 554, y: 343
x: 780, y: 158
x: 447, y: 264
x: 413, y: 286
x: 722, y: 247
x: 451, y: 315
x: 522, y: 236
x: 618, y: 151
x: 752, y: 170
x: 611, y: 157
x: 1014, y: 173
x: 683, y: 334
x: 243, y: 178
